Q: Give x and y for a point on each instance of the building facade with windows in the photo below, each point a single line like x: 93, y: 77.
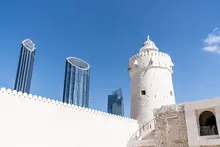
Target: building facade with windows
x: 76, y: 82
x: 25, y: 66
x: 116, y: 103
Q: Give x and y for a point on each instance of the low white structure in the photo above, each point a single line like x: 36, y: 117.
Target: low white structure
x: 31, y: 121
x: 203, y: 122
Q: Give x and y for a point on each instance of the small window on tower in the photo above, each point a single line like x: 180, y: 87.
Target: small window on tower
x: 171, y: 93
x: 143, y: 92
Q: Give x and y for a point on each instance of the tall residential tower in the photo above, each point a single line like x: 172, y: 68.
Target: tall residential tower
x: 25, y: 66
x: 151, y: 81
x: 115, y: 103
x: 77, y: 82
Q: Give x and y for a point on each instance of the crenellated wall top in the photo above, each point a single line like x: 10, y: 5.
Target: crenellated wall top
x: 150, y: 54
x: 14, y: 93
x: 150, y: 59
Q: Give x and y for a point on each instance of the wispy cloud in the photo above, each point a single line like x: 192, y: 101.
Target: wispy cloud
x: 212, y: 42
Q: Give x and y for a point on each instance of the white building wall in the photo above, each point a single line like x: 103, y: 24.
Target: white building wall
x: 150, y: 71
x: 158, y: 84
x: 192, y: 122
x: 134, y: 94
x: 31, y: 121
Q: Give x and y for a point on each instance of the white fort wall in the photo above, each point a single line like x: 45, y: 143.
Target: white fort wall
x: 31, y: 121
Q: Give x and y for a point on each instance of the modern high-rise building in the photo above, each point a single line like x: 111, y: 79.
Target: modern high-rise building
x: 25, y: 66
x: 115, y: 103
x: 77, y: 82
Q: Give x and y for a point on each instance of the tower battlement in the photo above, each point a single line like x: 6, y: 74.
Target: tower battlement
x: 149, y: 54
x: 150, y: 59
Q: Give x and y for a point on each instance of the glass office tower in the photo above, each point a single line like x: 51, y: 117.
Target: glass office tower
x: 77, y: 82
x: 25, y: 66
x: 115, y: 103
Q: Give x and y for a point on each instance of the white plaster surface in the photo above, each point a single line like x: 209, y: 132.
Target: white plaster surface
x: 31, y: 121
x: 194, y: 138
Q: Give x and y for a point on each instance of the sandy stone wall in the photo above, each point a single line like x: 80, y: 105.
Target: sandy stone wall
x: 170, y: 126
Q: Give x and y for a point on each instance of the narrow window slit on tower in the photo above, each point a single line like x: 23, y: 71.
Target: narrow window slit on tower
x: 171, y: 93
x: 143, y: 92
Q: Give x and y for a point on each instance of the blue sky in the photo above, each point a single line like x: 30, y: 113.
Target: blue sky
x: 106, y: 34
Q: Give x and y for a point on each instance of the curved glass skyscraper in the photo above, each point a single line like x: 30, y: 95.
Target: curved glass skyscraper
x: 25, y: 67
x: 77, y: 82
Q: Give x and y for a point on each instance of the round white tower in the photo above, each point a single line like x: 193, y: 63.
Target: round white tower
x: 151, y: 82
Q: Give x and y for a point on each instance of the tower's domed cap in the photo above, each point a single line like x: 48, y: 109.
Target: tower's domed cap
x: 149, y: 45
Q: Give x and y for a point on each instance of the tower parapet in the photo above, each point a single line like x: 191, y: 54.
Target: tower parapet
x: 150, y: 59
x: 151, y: 81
